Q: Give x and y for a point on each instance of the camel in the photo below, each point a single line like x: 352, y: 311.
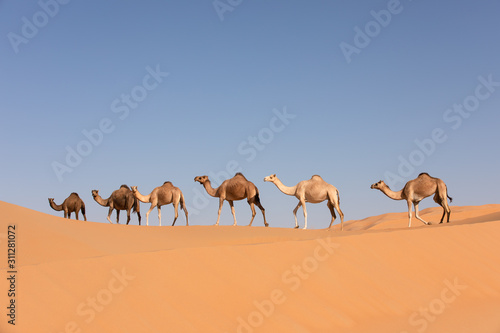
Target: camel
x: 314, y: 190
x: 121, y: 199
x: 417, y: 189
x: 71, y: 204
x: 236, y: 188
x: 163, y: 195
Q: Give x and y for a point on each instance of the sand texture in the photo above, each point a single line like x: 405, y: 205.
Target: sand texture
x: 375, y: 276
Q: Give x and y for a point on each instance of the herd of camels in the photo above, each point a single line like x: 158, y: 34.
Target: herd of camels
x: 314, y: 190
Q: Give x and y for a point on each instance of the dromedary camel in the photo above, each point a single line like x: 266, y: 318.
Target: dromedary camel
x: 163, y: 195
x: 236, y: 188
x: 121, y: 199
x: 71, y: 204
x: 314, y: 190
x: 417, y: 189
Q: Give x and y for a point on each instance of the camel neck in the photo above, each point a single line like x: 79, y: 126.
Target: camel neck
x: 210, y: 190
x: 285, y: 189
x: 55, y: 207
x: 101, y: 201
x: 391, y: 194
x: 142, y: 198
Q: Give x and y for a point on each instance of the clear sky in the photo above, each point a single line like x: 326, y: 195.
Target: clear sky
x: 95, y: 94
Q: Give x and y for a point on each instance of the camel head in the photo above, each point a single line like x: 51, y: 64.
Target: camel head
x: 134, y: 189
x: 95, y: 193
x: 51, y: 200
x: 201, y: 179
x: 270, y: 178
x: 379, y: 185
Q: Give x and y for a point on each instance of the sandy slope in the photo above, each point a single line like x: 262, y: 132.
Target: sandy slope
x: 376, y: 276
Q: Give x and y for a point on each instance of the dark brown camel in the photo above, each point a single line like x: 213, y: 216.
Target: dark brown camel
x: 236, y: 188
x: 71, y: 204
x: 121, y: 199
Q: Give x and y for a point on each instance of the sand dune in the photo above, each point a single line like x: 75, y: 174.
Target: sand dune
x: 376, y: 276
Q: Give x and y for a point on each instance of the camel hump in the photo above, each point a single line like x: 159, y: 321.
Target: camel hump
x: 239, y: 174
x: 125, y: 186
x: 168, y: 183
x: 75, y: 194
x: 316, y: 177
x: 424, y: 174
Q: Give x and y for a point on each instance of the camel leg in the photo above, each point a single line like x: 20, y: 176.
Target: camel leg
x: 109, y: 214
x: 176, y: 212
x: 186, y: 212
x: 443, y: 202
x: 263, y: 213
x: 332, y: 211
x: 231, y: 203
x: 221, y: 202
x: 409, y: 213
x: 128, y: 215
x: 252, y: 207
x: 337, y: 207
x: 442, y: 216
x: 76, y: 214
x: 305, y: 213
x: 447, y: 207
x: 147, y: 214
x: 438, y: 200
x: 417, y: 216
x: 333, y: 202
x: 159, y: 215
x: 446, y: 211
x: 117, y: 216
x: 295, y: 214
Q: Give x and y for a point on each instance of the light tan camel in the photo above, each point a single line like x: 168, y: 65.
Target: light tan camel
x: 163, y: 195
x: 71, y: 204
x: 121, y: 199
x: 236, y: 188
x: 314, y: 190
x: 417, y: 189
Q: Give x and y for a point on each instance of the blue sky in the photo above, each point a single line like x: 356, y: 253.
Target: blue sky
x: 150, y: 91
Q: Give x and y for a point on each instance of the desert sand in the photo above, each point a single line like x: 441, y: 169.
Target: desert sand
x: 375, y: 276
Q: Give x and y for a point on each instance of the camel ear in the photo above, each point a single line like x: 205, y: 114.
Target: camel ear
x: 274, y: 175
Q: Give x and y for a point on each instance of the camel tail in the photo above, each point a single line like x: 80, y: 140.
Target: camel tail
x: 257, y: 198
x: 83, y: 209
x: 136, y: 208
x: 451, y: 199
